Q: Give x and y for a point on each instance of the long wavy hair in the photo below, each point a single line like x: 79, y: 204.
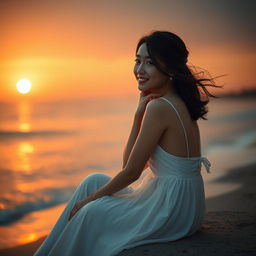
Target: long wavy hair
x: 169, y: 54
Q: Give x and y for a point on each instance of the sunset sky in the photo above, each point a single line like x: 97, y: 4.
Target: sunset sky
x: 75, y: 49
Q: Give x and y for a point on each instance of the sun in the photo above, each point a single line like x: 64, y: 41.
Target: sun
x: 23, y: 86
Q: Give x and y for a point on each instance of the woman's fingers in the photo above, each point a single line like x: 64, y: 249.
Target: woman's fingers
x: 153, y: 96
x: 73, y: 211
x: 144, y: 100
x: 70, y: 215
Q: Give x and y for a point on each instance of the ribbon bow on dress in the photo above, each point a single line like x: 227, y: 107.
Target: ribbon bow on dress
x: 206, y: 163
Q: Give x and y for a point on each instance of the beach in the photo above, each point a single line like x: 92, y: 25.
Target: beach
x: 229, y: 227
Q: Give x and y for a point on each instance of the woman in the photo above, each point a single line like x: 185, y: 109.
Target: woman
x: 105, y: 215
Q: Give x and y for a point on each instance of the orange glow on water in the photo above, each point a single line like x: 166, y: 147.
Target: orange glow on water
x: 25, y: 149
x: 24, y: 116
x: 28, y: 238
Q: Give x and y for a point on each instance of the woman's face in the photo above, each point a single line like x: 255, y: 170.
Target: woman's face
x: 149, y: 78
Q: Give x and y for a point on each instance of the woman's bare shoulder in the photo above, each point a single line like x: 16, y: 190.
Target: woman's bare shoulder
x: 162, y: 107
x: 158, y: 103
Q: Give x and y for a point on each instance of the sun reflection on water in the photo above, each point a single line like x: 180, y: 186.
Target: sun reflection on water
x: 25, y: 149
x: 2, y: 206
x: 24, y: 127
x: 24, y: 117
x: 28, y: 238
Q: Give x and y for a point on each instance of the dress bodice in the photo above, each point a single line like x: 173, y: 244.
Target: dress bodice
x: 163, y: 163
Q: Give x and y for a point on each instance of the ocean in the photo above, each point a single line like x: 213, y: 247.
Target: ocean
x: 48, y: 148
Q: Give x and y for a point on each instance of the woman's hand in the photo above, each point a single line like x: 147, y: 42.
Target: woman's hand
x: 144, y: 100
x: 78, y: 205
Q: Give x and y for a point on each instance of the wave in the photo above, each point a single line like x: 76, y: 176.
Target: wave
x: 44, y: 199
x: 237, y: 141
x: 246, y: 115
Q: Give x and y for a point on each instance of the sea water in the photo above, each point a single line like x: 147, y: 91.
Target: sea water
x: 48, y: 148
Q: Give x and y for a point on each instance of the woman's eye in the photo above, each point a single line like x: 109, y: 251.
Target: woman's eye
x: 148, y: 62
x: 136, y: 61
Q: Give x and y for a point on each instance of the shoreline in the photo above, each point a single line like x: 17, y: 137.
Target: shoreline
x: 229, y: 226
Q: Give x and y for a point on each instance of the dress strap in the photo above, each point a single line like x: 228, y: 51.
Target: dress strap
x: 180, y: 122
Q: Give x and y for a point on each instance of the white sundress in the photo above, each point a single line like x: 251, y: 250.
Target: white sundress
x: 168, y: 205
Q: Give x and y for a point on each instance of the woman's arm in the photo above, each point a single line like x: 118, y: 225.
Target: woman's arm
x: 132, y: 138
x: 143, y: 101
x: 153, y: 125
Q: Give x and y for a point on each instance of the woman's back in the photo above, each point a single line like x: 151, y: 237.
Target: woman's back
x: 175, y: 140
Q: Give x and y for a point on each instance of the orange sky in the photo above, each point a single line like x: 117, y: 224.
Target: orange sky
x: 74, y: 49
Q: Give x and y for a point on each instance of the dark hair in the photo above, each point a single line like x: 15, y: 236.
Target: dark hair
x: 169, y: 54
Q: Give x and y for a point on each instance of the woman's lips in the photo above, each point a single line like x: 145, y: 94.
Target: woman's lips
x: 142, y: 80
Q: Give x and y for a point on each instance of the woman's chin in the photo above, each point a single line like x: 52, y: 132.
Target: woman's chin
x: 142, y: 87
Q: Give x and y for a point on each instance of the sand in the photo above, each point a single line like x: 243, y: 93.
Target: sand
x: 229, y: 227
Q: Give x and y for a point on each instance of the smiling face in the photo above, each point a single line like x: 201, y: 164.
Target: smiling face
x: 148, y: 76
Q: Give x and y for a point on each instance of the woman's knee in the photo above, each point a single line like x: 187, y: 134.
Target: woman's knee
x: 97, y: 179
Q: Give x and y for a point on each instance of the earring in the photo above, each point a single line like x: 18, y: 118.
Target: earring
x: 171, y: 78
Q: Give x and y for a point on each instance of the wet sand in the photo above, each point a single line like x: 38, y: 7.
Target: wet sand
x: 229, y: 227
